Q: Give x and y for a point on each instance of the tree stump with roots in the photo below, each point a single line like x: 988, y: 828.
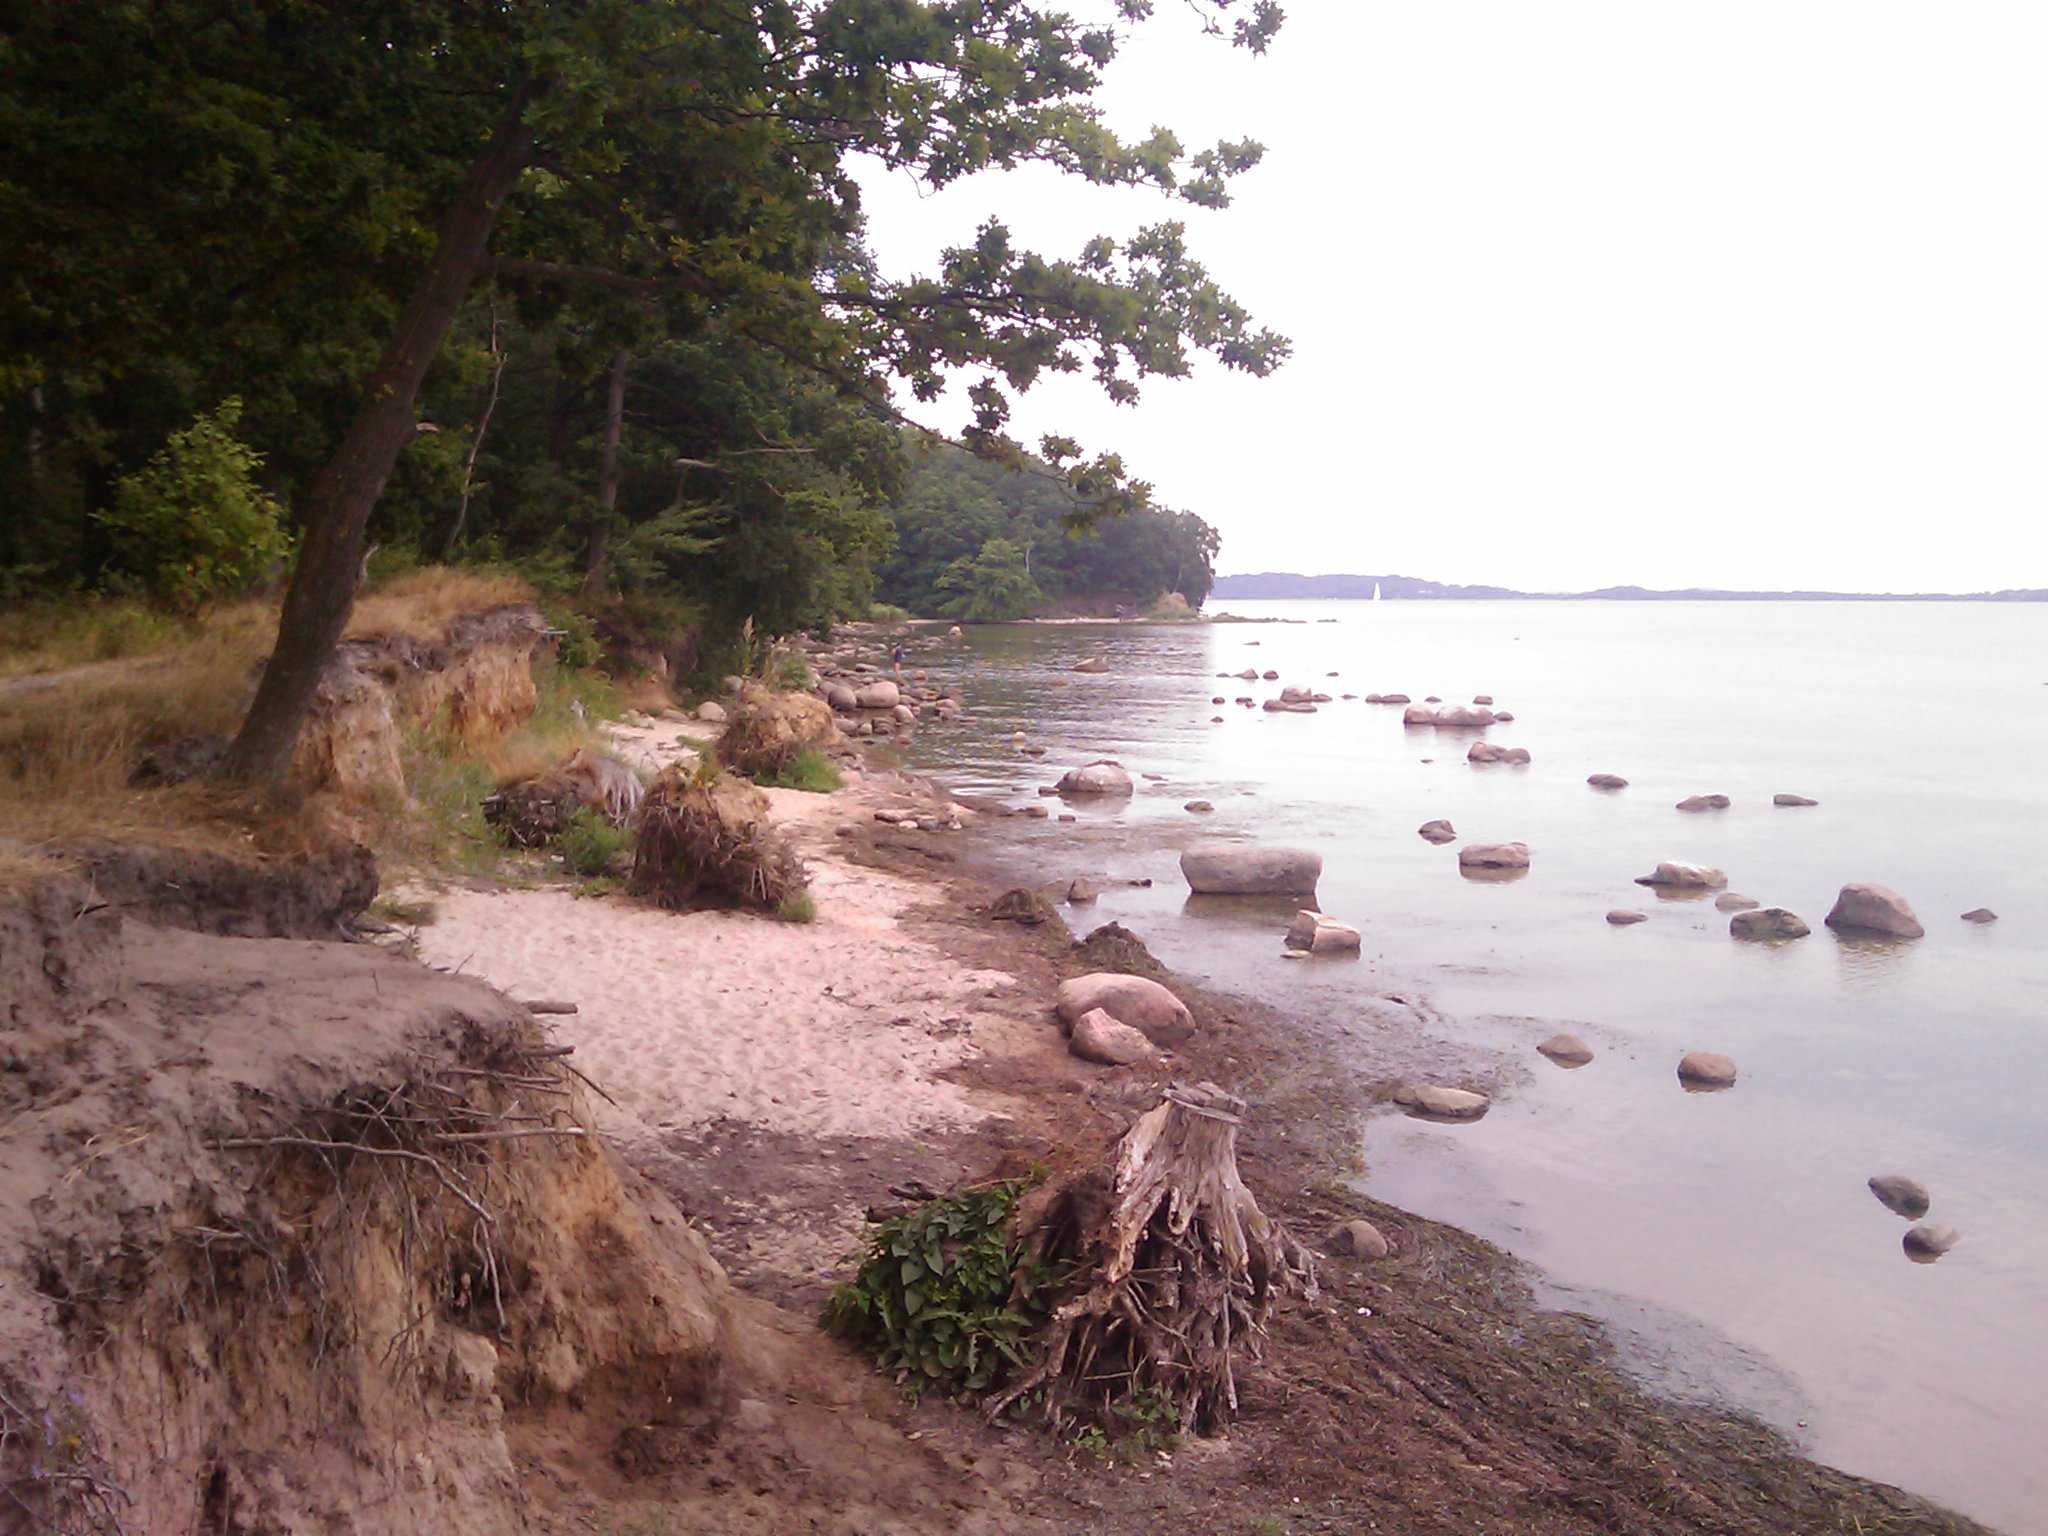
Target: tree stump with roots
x: 1168, y: 1268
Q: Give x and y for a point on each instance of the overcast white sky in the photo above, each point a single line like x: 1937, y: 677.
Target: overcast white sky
x: 1748, y: 294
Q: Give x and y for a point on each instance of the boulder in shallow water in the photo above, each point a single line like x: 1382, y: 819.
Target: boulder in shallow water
x: 1289, y: 707
x: 1437, y: 832
x: 1198, y: 807
x: 1704, y: 803
x: 1270, y: 675
x: 1792, y: 800
x: 1729, y: 901
x: 1684, y: 877
x: 880, y: 694
x: 1567, y: 1050
x: 1494, y: 856
x: 1867, y: 908
x: 1245, y: 869
x: 1706, y: 1069
x: 1081, y: 892
x: 1419, y: 714
x: 1607, y: 781
x: 1503, y: 717
x: 1432, y: 1101
x: 1319, y: 935
x: 1621, y: 917
x: 1767, y: 924
x: 1980, y: 915
x: 1900, y: 1195
x: 1099, y: 1038
x: 1358, y: 1240
x: 1469, y: 715
x: 1134, y: 1000
x: 1929, y: 1241
x: 1092, y: 664
x: 1102, y: 777
x: 842, y: 698
x: 1482, y: 698
x: 1387, y: 698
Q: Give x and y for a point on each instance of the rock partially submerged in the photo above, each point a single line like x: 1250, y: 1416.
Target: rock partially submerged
x: 1245, y: 869
x: 1464, y: 716
x: 1567, y: 1050
x: 1622, y: 917
x: 1432, y: 1101
x: 1929, y: 1241
x: 1316, y: 934
x: 1138, y: 1001
x: 1900, y: 1195
x: 1767, y: 924
x: 1488, y: 752
x: 1607, y: 781
x: 1102, y: 777
x: 1494, y: 856
x: 1438, y: 832
x: 1684, y: 877
x: 880, y: 694
x: 1792, y: 800
x: 1198, y: 807
x: 1980, y: 915
x: 1092, y: 664
x: 1704, y: 803
x: 1706, y: 1070
x: 1867, y: 908
x: 1730, y: 901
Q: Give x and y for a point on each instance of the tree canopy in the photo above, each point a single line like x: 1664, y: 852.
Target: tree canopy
x: 591, y: 273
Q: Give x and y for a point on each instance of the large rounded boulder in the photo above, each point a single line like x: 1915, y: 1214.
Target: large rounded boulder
x: 1245, y: 869
x: 1137, y: 1001
x: 1098, y: 778
x: 1866, y: 908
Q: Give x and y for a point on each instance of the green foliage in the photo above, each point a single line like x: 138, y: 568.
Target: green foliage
x: 886, y: 613
x: 809, y: 770
x: 992, y: 584
x: 952, y: 504
x: 192, y: 525
x: 944, y: 1300
x: 590, y: 842
x: 797, y: 907
x: 789, y: 672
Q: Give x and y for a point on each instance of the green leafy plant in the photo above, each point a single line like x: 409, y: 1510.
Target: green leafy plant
x: 797, y: 907
x: 192, y: 525
x: 590, y: 842
x: 944, y: 1299
x: 809, y: 769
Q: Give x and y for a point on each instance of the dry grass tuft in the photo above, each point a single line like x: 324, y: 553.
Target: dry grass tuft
x: 420, y: 603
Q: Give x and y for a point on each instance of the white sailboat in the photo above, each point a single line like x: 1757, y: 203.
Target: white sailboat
x: 1375, y: 591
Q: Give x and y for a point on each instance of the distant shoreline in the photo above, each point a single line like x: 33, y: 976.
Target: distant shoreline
x: 1288, y: 585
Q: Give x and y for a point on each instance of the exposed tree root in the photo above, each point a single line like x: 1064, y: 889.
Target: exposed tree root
x: 1171, y: 1267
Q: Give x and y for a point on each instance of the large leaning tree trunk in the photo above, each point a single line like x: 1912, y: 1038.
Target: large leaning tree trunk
x: 343, y: 494
x: 1171, y: 1268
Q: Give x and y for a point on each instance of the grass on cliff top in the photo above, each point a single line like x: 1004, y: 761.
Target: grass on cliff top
x: 54, y: 634
x: 87, y: 686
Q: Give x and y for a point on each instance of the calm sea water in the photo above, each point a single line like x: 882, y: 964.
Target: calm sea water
x: 1728, y: 1238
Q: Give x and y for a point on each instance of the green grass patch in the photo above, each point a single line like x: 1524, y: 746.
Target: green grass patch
x: 590, y: 842
x: 808, y: 770
x: 797, y: 907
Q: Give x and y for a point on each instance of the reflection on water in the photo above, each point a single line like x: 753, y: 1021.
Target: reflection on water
x: 1745, y: 1212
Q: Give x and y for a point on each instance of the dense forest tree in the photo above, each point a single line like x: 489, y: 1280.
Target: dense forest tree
x: 954, y: 505
x: 447, y: 255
